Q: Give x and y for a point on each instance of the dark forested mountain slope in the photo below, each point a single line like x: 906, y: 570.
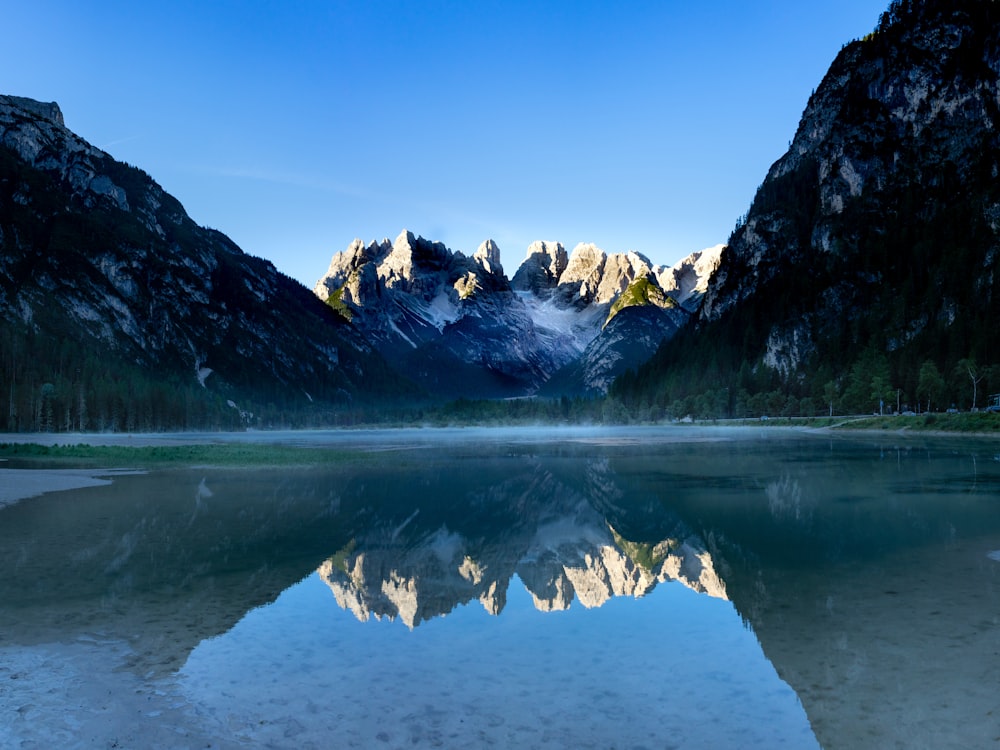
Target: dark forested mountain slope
x: 866, y: 267
x: 118, y: 312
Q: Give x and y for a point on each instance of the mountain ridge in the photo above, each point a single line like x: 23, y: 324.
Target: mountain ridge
x: 865, y: 271
x: 418, y: 300
x: 118, y: 312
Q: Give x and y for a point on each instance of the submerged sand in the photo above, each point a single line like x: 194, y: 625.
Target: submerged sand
x: 20, y: 484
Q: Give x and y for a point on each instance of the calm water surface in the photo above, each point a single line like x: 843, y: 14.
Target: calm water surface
x: 645, y: 588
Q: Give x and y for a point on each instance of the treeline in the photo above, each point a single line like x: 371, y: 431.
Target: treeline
x: 50, y: 384
x: 57, y: 385
x: 908, y: 322
x: 564, y: 410
x: 875, y: 383
x: 901, y: 12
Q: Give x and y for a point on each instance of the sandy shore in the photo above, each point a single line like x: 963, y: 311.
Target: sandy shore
x: 79, y: 695
x: 19, y: 484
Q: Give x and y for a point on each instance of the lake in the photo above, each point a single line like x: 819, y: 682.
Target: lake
x: 608, y: 588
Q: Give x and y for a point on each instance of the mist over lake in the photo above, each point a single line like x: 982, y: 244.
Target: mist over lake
x: 630, y: 587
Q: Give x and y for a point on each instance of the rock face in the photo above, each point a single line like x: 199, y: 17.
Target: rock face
x: 99, y: 262
x: 541, y: 269
x: 461, y: 328
x: 687, y: 280
x: 451, y: 321
x: 628, y: 340
x: 881, y: 225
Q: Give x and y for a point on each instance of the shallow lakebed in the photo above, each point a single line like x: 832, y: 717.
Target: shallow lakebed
x: 626, y: 588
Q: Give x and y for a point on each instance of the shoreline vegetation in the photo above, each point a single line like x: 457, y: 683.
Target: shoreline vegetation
x: 265, y: 454
x: 960, y: 423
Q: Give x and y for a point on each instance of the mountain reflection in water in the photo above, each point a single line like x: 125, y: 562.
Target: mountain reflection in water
x: 561, y: 548
x: 866, y: 569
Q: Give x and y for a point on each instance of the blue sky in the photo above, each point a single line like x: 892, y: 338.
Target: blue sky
x: 296, y: 126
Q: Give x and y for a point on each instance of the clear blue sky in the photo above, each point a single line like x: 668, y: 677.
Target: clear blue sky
x: 296, y: 126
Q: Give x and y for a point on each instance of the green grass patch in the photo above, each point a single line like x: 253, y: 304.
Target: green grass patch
x: 336, y: 303
x: 965, y: 422
x: 813, y: 422
x: 640, y: 292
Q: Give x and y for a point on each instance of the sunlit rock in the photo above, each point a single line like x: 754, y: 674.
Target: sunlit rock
x: 456, y: 323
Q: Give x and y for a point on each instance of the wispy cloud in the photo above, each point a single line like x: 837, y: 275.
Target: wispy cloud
x: 292, y: 179
x: 118, y: 142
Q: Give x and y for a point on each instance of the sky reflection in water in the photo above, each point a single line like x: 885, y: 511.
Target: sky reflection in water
x: 674, y: 668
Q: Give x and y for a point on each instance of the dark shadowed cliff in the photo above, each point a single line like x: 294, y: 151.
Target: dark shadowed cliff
x: 118, y: 312
x: 866, y: 266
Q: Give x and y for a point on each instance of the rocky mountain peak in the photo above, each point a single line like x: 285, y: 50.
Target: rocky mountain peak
x: 488, y: 256
x: 620, y: 271
x: 584, y: 272
x: 584, y: 277
x: 419, y: 301
x: 414, y: 264
x: 593, y: 276
x: 36, y: 132
x: 687, y: 280
x: 541, y: 268
x: 46, y: 110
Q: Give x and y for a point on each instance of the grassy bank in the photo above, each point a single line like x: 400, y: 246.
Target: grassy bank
x: 981, y: 423
x: 965, y: 422
x: 813, y: 422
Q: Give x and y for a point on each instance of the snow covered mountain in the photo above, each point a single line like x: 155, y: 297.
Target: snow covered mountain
x: 458, y: 326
